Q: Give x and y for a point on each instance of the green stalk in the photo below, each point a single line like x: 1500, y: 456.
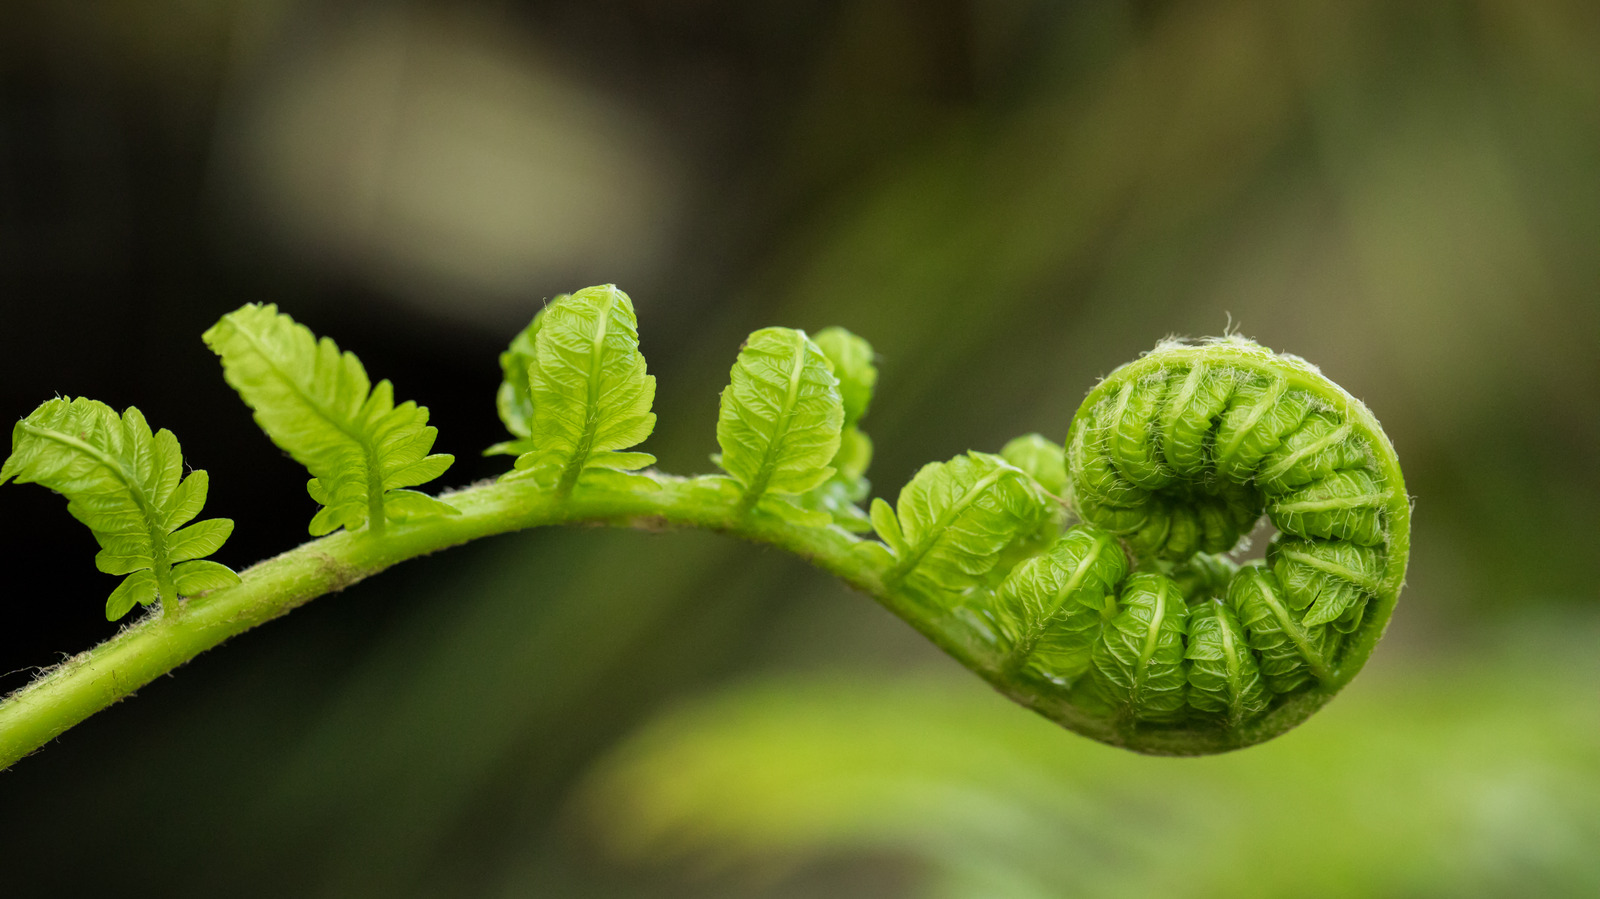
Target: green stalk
x: 157, y: 644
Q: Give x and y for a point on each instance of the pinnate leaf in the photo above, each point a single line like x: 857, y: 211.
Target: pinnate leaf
x: 781, y: 415
x: 317, y: 404
x: 955, y: 518
x: 127, y: 485
x: 587, y: 387
x: 1137, y: 664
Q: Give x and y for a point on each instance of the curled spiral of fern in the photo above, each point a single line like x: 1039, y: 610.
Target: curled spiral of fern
x: 1131, y: 625
x: 1175, y: 457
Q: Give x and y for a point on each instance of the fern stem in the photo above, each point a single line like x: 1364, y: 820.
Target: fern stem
x: 159, y: 643
x: 167, y: 591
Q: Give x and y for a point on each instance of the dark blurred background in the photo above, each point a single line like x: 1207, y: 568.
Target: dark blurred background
x: 1008, y: 199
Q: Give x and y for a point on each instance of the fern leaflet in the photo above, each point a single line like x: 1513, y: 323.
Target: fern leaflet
x: 780, y: 419
x: 317, y: 404
x: 587, y: 392
x: 127, y: 485
x: 955, y: 519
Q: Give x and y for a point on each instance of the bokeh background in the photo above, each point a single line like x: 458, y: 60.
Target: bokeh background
x: 1009, y: 198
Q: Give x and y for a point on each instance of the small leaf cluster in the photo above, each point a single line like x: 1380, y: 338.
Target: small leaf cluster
x: 780, y: 423
x: 575, y: 393
x: 127, y: 485
x: 955, y: 520
x: 317, y: 404
x: 576, y: 399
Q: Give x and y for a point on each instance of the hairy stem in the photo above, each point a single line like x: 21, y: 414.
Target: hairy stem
x: 157, y: 644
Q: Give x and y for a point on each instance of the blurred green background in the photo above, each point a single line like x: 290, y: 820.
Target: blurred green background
x: 1009, y: 199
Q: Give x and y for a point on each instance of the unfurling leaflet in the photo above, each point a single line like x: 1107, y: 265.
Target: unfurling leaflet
x: 954, y: 522
x: 1051, y: 608
x: 317, y: 404
x: 780, y: 420
x: 1137, y: 664
x: 127, y: 485
x: 575, y: 390
x: 514, y: 400
x: 852, y: 363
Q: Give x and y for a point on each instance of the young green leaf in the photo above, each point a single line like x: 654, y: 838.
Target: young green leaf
x: 1224, y: 677
x: 317, y: 404
x: 1050, y: 609
x: 954, y: 519
x: 851, y: 358
x: 127, y: 485
x: 847, y: 486
x: 1137, y: 664
x: 781, y: 416
x: 514, y: 401
x: 588, y: 389
x: 1292, y: 652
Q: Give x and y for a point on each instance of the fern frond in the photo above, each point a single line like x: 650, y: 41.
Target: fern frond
x: 317, y: 404
x: 955, y: 519
x: 127, y: 485
x: 1171, y: 459
x: 588, y: 394
x: 780, y: 418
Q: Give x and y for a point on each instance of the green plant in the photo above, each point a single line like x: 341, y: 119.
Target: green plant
x: 1128, y: 627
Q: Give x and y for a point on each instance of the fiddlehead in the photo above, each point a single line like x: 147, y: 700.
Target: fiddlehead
x: 1129, y: 627
x: 1177, y: 455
